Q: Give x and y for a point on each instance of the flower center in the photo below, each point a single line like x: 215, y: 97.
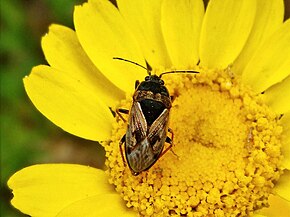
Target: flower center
x: 225, y: 157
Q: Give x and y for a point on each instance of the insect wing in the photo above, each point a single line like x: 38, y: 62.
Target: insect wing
x: 138, y: 150
x: 158, y: 133
x: 137, y: 128
x: 144, y: 146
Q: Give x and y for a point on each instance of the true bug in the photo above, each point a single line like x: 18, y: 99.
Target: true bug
x: 148, y: 122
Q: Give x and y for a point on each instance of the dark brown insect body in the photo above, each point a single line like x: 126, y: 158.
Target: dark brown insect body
x: 148, y: 124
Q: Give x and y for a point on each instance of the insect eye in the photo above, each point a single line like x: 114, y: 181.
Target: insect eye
x: 161, y: 82
x: 147, y: 78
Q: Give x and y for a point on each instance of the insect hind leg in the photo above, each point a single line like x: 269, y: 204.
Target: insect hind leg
x: 170, y: 142
x: 172, y: 135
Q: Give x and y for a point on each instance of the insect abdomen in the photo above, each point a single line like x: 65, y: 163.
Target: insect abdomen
x: 141, y: 157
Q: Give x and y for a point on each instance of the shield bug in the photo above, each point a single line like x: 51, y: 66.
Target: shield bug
x: 148, y: 122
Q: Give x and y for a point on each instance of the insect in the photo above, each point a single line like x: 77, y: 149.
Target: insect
x: 148, y: 122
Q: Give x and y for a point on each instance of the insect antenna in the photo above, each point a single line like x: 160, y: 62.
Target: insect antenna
x: 178, y: 71
x: 119, y: 58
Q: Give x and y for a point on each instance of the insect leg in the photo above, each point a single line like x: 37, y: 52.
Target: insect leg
x: 172, y: 98
x: 124, y: 111
x: 170, y: 142
x: 122, y: 141
x: 172, y: 134
x: 137, y: 82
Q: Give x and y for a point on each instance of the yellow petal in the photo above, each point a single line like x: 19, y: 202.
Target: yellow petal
x: 269, y: 16
x: 144, y: 18
x: 278, y: 96
x: 104, y: 34
x: 44, y: 190
x: 225, y: 29
x: 104, y: 205
x: 278, y: 208
x: 282, y: 188
x: 63, y: 52
x: 181, y: 23
x: 68, y: 103
x: 285, y: 121
x: 271, y: 62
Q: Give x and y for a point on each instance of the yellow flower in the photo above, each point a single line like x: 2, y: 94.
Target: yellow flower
x: 231, y: 122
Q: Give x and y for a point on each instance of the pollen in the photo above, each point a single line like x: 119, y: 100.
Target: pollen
x: 225, y: 158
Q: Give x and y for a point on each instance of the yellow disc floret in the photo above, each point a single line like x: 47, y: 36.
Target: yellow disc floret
x: 226, y: 154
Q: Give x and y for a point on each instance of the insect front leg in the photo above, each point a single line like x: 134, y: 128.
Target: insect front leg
x: 124, y: 111
x: 137, y: 82
x: 121, y: 143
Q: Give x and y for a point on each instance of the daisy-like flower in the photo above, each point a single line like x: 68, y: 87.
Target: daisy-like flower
x: 231, y: 121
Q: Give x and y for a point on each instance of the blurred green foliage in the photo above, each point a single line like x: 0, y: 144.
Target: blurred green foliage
x: 23, y: 129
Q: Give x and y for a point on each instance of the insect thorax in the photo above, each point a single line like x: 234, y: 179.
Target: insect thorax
x: 141, y: 95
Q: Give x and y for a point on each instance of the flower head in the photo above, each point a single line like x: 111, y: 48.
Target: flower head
x: 230, y: 149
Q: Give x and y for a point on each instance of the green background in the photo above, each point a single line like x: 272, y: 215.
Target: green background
x: 27, y: 137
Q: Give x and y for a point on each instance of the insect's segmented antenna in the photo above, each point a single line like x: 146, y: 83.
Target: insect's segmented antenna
x: 119, y: 58
x: 149, y: 71
x: 178, y: 71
